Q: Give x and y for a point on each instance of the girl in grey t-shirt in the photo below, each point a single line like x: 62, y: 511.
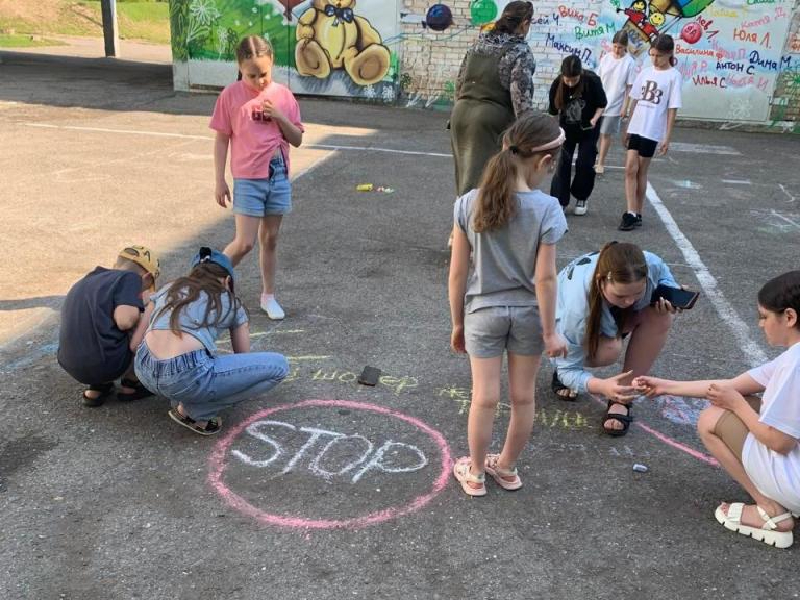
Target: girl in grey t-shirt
x: 506, y: 301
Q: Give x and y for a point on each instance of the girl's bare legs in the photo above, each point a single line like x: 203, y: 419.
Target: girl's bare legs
x: 608, y: 353
x: 268, y: 243
x: 647, y: 341
x: 631, y: 178
x: 641, y: 183
x: 244, y: 239
x: 706, y: 427
x: 522, y: 372
x: 605, y: 144
x: 485, y: 396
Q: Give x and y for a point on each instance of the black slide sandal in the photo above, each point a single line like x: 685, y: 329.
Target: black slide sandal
x: 559, y: 388
x: 139, y: 391
x: 624, y: 419
x: 105, y: 389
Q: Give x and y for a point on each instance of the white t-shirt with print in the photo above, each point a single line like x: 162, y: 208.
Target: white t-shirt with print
x: 656, y: 92
x: 617, y: 74
x: 777, y: 476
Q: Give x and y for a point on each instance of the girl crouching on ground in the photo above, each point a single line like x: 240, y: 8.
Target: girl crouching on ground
x: 178, y: 357
x: 602, y: 298
x: 757, y: 441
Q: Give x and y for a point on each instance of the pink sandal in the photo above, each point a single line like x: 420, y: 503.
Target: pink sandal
x: 507, y: 479
x: 463, y: 473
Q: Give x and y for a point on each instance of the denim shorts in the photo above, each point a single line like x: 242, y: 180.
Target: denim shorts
x: 264, y: 197
x: 490, y: 330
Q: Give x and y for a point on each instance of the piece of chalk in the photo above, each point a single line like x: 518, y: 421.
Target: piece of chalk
x: 640, y: 468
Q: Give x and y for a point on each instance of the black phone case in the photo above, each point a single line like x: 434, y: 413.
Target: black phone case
x: 369, y: 376
x: 677, y: 297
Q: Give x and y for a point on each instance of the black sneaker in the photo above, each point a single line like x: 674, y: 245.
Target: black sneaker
x: 638, y: 221
x: 628, y: 222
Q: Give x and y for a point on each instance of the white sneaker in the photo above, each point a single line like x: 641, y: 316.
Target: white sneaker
x: 580, y: 207
x: 272, y: 308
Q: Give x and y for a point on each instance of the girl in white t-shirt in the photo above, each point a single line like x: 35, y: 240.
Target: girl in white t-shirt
x: 506, y: 231
x: 617, y: 74
x: 759, y: 449
x: 656, y: 97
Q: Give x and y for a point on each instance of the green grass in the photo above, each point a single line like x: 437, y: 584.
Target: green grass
x: 21, y: 40
x: 146, y: 21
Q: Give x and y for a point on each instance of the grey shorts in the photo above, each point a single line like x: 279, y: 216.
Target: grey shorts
x: 490, y: 330
x: 610, y: 125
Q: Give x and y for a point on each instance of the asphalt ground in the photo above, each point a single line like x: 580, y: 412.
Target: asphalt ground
x: 326, y: 488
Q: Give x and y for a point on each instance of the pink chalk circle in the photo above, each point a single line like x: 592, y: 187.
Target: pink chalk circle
x: 217, y: 465
x: 691, y: 32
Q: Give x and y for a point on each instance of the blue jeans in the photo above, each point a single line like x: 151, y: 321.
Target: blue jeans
x: 204, y: 384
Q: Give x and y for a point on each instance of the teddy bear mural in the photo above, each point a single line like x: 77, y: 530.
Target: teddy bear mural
x: 330, y: 36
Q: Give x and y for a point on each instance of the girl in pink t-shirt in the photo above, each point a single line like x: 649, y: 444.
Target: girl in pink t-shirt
x: 258, y: 118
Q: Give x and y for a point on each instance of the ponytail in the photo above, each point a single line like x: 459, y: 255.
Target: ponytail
x: 496, y: 204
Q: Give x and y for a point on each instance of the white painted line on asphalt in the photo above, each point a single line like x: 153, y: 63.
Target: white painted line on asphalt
x: 376, y: 149
x: 210, y: 137
x: 129, y: 131
x: 741, y: 332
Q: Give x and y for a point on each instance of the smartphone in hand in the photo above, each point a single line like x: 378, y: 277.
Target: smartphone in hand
x: 679, y: 298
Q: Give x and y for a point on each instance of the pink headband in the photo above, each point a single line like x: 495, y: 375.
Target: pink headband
x: 562, y: 137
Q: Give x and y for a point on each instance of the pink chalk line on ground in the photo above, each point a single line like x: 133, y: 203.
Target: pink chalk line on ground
x: 669, y: 441
x: 217, y: 464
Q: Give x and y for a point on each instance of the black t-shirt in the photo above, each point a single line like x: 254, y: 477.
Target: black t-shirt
x: 91, y: 347
x: 579, y: 110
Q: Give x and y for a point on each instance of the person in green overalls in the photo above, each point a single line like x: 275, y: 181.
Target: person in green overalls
x: 493, y: 88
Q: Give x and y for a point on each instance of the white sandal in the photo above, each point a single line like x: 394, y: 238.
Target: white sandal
x: 766, y: 533
x: 463, y: 473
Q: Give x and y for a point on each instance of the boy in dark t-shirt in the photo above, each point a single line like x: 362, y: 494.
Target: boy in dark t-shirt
x: 101, y: 325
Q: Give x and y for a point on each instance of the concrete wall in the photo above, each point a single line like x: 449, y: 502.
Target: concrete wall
x: 740, y: 59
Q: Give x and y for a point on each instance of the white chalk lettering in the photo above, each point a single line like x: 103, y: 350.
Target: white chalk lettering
x: 254, y: 430
x: 317, y: 468
x: 345, y: 453
x: 376, y: 462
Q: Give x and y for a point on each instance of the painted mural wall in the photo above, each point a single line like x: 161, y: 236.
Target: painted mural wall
x: 740, y: 59
x: 730, y: 52
x: 337, y: 49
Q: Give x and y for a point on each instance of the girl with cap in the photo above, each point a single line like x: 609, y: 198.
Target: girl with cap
x: 178, y: 358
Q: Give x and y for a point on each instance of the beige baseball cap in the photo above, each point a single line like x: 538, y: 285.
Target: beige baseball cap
x: 145, y: 258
